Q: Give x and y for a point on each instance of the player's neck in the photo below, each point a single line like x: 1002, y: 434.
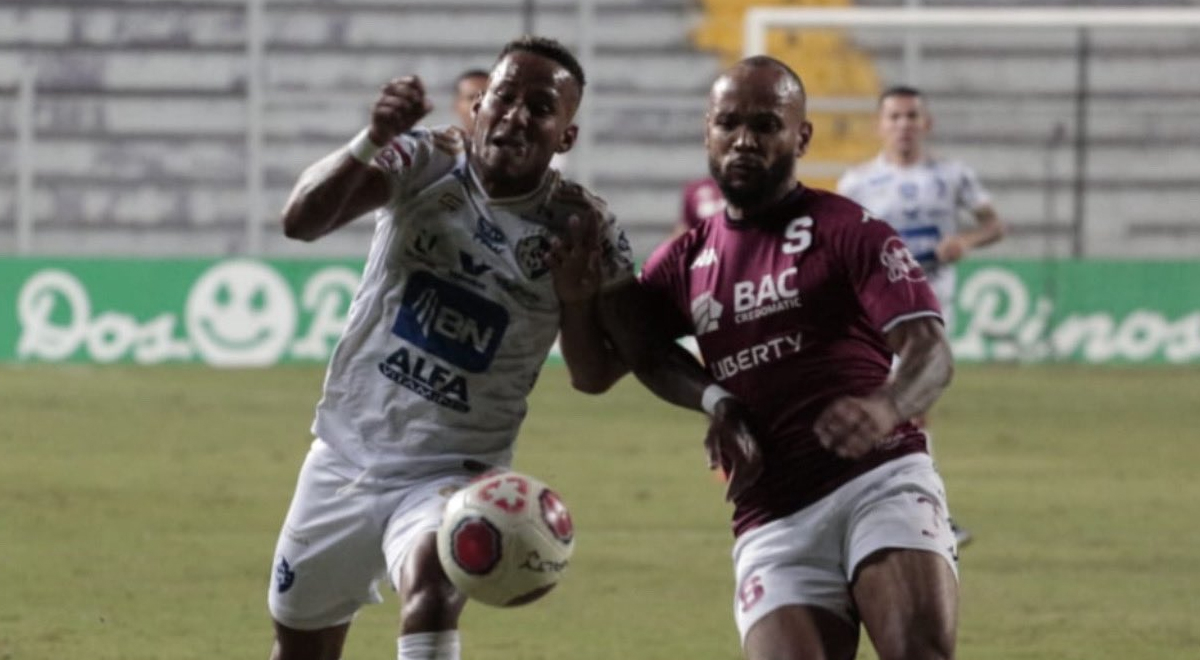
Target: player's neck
x: 739, y: 213
x: 499, y: 191
x: 904, y: 157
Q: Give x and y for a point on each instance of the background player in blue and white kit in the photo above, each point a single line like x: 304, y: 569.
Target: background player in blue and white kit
x: 923, y: 197
x: 481, y: 253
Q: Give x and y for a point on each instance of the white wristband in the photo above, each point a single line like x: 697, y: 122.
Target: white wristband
x: 712, y: 395
x: 362, y: 148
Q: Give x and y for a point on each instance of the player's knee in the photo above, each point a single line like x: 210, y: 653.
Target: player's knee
x: 430, y: 608
x: 431, y: 603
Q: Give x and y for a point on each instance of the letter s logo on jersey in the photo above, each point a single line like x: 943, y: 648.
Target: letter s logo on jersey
x: 450, y: 322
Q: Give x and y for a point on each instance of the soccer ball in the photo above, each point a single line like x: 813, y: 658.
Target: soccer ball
x: 505, y: 539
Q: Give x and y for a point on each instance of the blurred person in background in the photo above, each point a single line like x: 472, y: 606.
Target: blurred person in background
x: 923, y: 196
x: 481, y: 254
x: 468, y: 87
x: 701, y: 201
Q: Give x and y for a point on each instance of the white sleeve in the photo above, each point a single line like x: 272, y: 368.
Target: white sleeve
x: 412, y: 154
x: 847, y: 184
x: 971, y: 193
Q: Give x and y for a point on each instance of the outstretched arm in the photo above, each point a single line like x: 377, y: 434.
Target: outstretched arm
x: 853, y: 426
x: 674, y: 375
x: 344, y: 185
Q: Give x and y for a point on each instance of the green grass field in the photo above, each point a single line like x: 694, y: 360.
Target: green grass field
x: 139, y: 509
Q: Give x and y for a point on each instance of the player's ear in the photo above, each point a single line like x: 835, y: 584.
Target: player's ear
x: 806, y: 133
x: 568, y: 139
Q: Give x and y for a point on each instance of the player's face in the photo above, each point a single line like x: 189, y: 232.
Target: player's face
x: 903, y: 123
x: 465, y: 94
x: 756, y: 131
x: 521, y: 121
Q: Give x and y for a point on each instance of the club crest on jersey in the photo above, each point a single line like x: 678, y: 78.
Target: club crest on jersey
x: 490, y: 235
x: 706, y: 313
x: 531, y: 255
x: 899, y: 262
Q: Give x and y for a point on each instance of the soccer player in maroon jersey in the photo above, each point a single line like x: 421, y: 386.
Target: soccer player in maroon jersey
x: 798, y: 299
x: 702, y: 200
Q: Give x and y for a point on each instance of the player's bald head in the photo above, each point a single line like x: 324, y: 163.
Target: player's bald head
x: 761, y: 77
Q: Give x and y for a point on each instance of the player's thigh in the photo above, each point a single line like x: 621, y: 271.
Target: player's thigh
x: 903, y: 562
x: 410, y: 544
x: 908, y: 602
x: 328, y: 557
x: 793, y: 632
x: 793, y: 562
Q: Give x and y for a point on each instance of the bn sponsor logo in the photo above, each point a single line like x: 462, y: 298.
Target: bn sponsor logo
x: 450, y: 322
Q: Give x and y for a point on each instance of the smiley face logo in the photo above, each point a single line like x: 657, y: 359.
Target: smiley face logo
x: 241, y: 313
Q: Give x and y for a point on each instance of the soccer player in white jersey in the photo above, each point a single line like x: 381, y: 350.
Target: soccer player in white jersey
x: 481, y: 254
x: 923, y: 196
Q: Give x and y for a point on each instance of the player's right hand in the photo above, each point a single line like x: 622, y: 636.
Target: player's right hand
x: 731, y: 445
x: 400, y: 106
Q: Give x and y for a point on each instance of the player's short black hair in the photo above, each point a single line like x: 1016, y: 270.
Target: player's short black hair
x: 468, y: 74
x: 550, y: 49
x: 906, y: 91
x: 757, y: 61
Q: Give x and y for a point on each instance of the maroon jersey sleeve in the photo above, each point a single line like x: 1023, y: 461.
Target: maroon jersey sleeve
x: 664, y: 277
x: 890, y: 284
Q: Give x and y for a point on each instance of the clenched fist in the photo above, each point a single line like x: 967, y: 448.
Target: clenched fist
x: 401, y: 105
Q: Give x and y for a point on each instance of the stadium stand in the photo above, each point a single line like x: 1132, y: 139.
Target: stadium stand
x: 141, y: 112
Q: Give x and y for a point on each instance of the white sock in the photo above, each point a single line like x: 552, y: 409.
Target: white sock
x: 442, y: 645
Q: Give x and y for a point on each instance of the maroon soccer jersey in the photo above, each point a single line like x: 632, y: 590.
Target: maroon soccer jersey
x: 702, y: 200
x: 789, y: 309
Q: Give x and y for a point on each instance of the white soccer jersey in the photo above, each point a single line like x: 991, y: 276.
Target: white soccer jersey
x: 922, y: 202
x: 453, y: 320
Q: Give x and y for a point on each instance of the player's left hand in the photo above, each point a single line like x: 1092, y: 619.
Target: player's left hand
x: 574, y: 259
x: 731, y: 445
x: 852, y: 427
x: 951, y: 249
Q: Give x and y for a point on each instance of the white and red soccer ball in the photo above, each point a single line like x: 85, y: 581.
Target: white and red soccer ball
x: 505, y: 539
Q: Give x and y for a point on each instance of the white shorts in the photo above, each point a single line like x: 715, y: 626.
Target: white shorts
x: 810, y: 557
x: 344, y: 534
